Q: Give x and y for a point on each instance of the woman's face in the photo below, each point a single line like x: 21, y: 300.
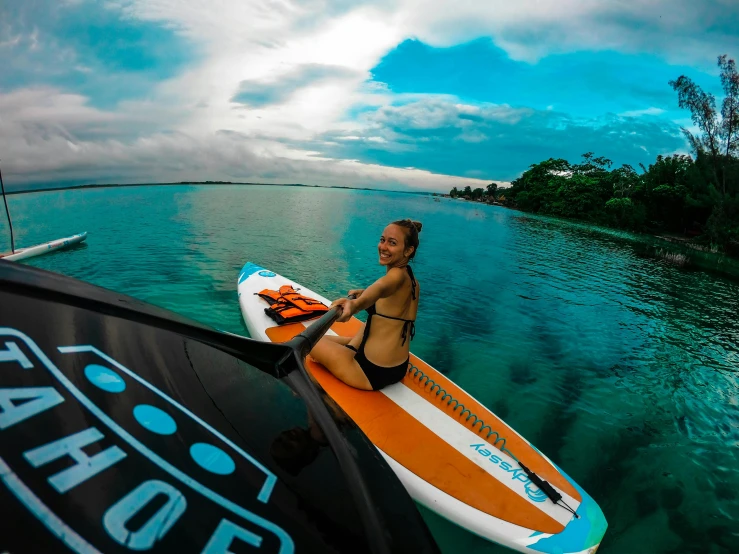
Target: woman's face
x: 392, y: 248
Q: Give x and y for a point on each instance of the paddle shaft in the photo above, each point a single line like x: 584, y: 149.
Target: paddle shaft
x: 7, y: 211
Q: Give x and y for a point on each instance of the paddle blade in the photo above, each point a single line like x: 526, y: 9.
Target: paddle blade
x: 119, y: 434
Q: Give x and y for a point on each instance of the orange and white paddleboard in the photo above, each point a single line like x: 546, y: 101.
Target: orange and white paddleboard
x: 453, y: 455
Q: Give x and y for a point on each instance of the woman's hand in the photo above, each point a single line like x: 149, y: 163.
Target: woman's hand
x: 356, y: 293
x: 346, y: 309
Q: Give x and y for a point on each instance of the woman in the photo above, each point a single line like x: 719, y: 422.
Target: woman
x: 378, y: 354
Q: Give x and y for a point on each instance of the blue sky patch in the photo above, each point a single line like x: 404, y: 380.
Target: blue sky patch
x: 584, y: 84
x: 90, y: 49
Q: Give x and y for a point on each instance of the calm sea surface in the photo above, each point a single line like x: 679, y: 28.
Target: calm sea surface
x: 622, y: 369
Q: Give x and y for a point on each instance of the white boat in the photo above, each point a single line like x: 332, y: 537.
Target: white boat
x: 45, y: 248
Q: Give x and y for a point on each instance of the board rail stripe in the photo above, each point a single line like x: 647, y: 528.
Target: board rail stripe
x: 522, y: 450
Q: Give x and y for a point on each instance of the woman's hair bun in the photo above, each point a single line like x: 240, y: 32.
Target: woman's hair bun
x: 411, y: 238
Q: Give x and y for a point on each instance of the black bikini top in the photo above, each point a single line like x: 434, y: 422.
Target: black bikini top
x: 409, y: 327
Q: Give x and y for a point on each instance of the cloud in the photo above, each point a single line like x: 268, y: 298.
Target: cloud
x: 675, y: 30
x: 646, y: 111
x: 50, y: 137
x: 276, y: 91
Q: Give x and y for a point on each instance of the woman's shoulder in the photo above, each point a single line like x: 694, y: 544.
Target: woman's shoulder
x: 398, y: 274
x: 397, y: 271
x: 401, y: 275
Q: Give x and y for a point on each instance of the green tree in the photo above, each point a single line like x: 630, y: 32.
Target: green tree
x: 557, y: 187
x: 578, y: 196
x: 592, y: 166
x: 467, y: 192
x: 693, y: 195
x: 491, y: 190
x: 624, y: 181
x: 716, y: 147
x: 665, y: 188
x: 534, y: 188
x: 477, y: 194
x: 625, y: 213
x: 719, y: 139
x: 454, y: 192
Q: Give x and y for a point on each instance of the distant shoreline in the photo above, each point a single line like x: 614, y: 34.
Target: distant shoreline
x: 113, y: 185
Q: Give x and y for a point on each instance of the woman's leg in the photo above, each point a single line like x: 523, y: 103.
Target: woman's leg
x: 339, y: 360
x: 337, y: 339
x: 354, y: 341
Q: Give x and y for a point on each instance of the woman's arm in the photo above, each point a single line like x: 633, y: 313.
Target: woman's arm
x: 382, y: 288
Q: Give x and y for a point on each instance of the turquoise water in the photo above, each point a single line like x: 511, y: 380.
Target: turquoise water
x: 622, y: 369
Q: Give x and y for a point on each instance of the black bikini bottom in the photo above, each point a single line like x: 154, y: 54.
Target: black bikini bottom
x: 378, y: 376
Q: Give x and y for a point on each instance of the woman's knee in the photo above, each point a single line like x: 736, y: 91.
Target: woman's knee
x: 354, y: 377
x: 324, y: 351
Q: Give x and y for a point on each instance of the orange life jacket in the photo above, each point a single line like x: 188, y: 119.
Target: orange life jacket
x: 288, y: 306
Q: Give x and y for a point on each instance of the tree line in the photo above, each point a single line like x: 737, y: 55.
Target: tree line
x: 697, y: 196
x: 488, y: 193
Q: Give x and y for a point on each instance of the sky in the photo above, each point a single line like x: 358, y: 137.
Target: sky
x: 416, y: 95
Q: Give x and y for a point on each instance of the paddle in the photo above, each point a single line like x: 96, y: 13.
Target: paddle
x: 7, y: 211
